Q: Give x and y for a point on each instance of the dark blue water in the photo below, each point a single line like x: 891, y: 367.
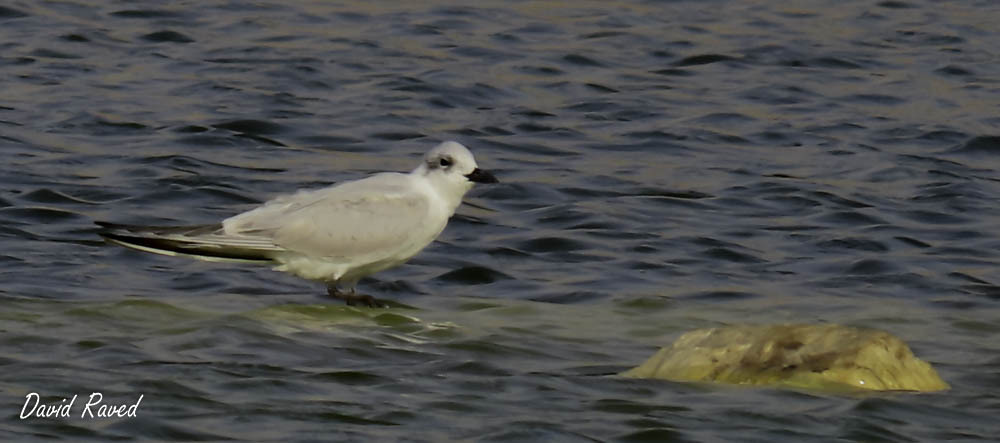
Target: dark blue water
x: 665, y: 166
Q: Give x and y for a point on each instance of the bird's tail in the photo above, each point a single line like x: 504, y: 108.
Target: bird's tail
x: 202, y: 242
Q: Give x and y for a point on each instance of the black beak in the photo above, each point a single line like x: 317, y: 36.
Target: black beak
x: 480, y: 176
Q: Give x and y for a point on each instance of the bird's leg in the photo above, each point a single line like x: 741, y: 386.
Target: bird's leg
x: 352, y: 298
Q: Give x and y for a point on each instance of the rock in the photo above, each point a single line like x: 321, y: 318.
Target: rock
x: 819, y: 356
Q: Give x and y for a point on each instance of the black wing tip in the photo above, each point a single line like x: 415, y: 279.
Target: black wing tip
x: 108, y: 227
x: 121, y: 227
x: 108, y: 230
x: 145, y: 238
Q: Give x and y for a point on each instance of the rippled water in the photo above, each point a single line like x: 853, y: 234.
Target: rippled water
x: 665, y: 166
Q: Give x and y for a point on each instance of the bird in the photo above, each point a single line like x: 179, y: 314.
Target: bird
x: 334, y: 235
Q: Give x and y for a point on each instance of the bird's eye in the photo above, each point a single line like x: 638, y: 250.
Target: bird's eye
x: 445, y: 162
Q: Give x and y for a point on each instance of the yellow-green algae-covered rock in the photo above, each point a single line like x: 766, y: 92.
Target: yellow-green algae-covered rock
x: 820, y: 356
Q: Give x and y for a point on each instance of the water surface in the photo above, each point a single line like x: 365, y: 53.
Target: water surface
x: 665, y: 166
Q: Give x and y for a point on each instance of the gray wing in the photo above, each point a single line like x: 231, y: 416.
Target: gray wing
x: 360, y: 220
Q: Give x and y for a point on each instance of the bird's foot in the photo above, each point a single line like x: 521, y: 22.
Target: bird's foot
x: 354, y: 299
